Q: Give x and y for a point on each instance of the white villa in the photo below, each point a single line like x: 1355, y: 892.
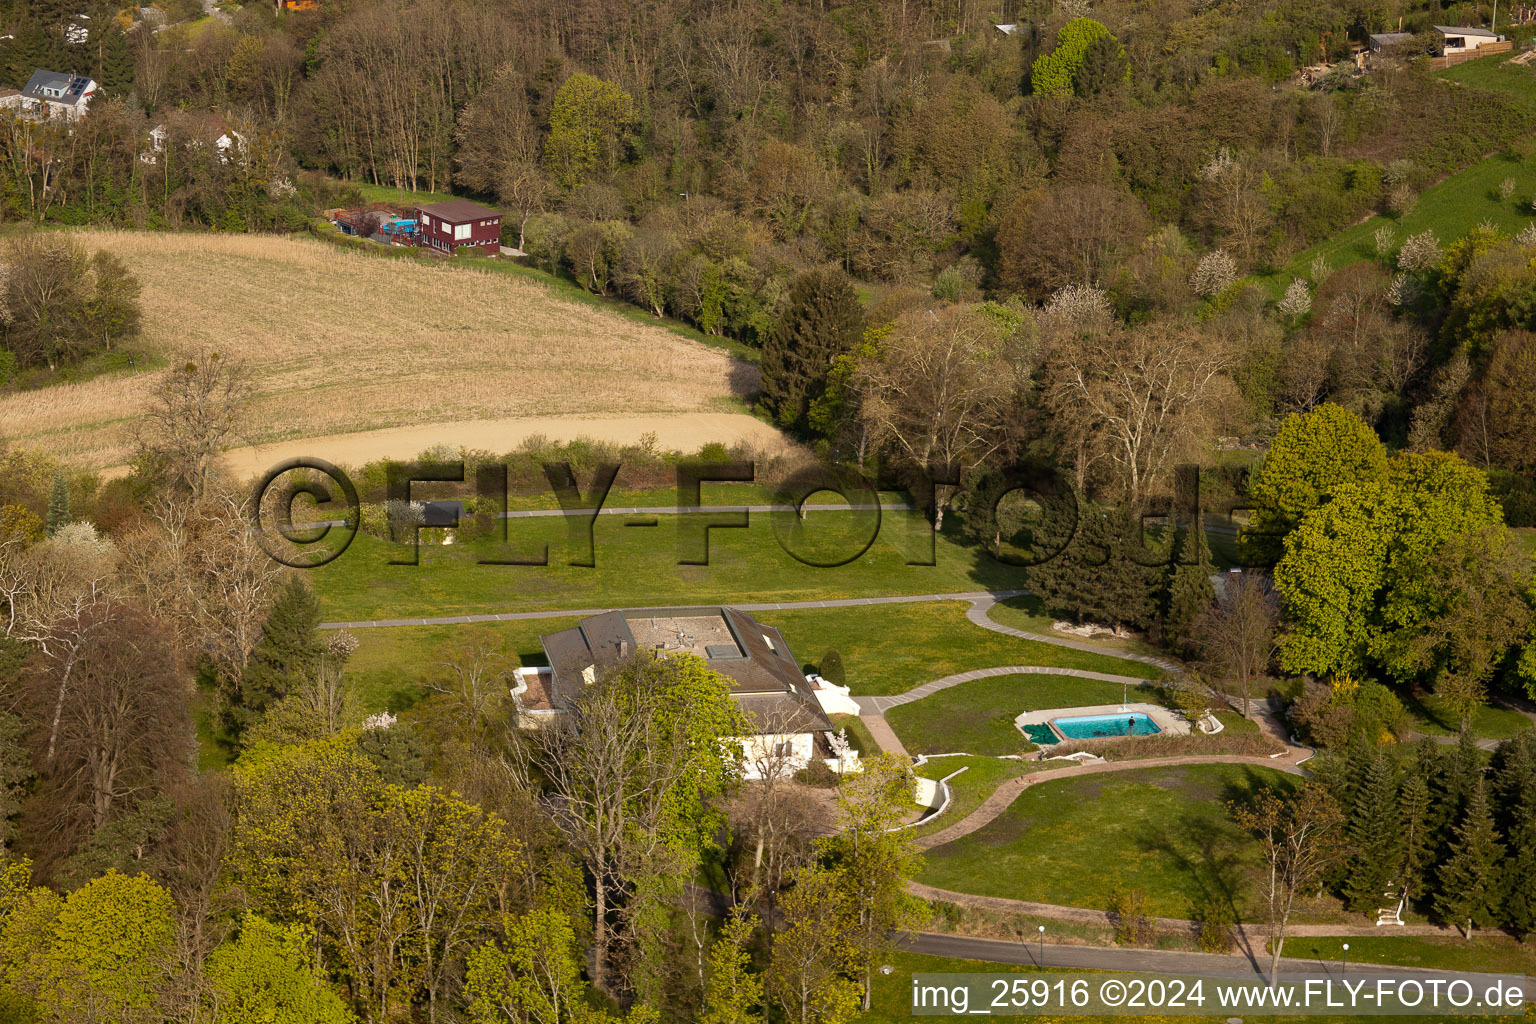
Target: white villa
x: 789, y: 708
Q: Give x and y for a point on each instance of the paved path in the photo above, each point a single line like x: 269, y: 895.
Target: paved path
x: 882, y: 733
x: 989, y: 597
x: 982, y: 604
x: 1005, y: 794
x: 880, y: 705
x: 685, y: 510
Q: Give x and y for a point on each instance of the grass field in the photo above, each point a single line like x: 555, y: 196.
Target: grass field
x: 402, y: 197
x: 1430, y: 717
x: 640, y: 567
x: 339, y: 342
x: 1496, y: 74
x: 885, y: 649
x: 1165, y: 831
x: 1026, y: 613
x: 1490, y: 953
x: 1450, y: 209
x: 977, y: 717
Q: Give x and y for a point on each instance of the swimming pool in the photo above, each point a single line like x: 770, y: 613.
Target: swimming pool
x: 1092, y: 727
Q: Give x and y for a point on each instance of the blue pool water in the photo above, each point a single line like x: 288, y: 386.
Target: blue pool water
x: 1092, y: 727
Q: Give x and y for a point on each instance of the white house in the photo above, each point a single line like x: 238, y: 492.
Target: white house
x: 53, y: 94
x: 787, y: 708
x: 1462, y: 39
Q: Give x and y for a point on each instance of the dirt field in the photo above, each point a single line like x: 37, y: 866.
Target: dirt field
x: 346, y: 344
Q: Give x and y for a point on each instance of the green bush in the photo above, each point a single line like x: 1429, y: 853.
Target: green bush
x: 1216, y: 920
x: 832, y: 668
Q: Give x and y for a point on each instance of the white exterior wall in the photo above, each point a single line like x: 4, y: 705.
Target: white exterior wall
x: 834, y: 700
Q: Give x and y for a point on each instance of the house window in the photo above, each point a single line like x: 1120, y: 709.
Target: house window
x: 784, y: 748
x: 460, y: 232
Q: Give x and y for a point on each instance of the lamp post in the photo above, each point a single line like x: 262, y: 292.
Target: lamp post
x: 1042, y: 945
x: 1345, y: 967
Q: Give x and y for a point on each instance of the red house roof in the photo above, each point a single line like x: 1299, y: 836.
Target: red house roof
x: 459, y: 211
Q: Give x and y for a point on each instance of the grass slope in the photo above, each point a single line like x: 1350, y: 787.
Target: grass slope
x: 1449, y: 209
x: 1496, y: 74
x: 980, y: 780
x: 1165, y: 831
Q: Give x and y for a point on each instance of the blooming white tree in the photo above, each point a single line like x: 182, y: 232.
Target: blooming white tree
x: 1214, y: 274
x: 1077, y: 307
x: 1297, y: 300
x: 1386, y: 240
x: 1527, y: 236
x: 1420, y: 253
x: 1403, y: 290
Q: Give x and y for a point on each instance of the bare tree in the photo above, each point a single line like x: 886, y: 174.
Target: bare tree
x: 194, y: 410
x: 475, y: 678
x: 1141, y: 398
x: 203, y: 563
x: 122, y: 732
x: 1301, y: 837
x: 1236, y: 635
x: 942, y: 389
x: 58, y: 584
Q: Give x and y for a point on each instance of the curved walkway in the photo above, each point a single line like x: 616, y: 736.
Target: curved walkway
x: 880, y: 705
x: 1004, y: 796
x: 981, y: 606
x: 1249, y: 936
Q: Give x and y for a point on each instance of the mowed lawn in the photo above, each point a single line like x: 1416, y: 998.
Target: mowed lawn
x: 1450, y: 209
x: 1165, y: 831
x: 1496, y: 74
x: 638, y: 566
x: 977, y: 717
x: 1429, y: 715
x: 885, y: 648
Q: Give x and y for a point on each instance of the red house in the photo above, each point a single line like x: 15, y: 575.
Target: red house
x: 459, y: 224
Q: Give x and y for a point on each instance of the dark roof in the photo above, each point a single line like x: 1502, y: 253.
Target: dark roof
x: 458, y: 211
x: 71, y: 88
x: 447, y: 512
x: 1464, y: 30
x: 767, y: 680
x: 780, y: 713
x: 1390, y: 38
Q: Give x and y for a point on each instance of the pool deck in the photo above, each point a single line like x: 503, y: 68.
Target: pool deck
x: 1165, y: 720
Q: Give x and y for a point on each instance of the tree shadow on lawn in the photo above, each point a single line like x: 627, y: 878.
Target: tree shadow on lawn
x: 1207, y: 854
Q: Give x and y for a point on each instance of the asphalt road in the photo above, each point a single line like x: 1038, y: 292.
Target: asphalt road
x: 1153, y: 961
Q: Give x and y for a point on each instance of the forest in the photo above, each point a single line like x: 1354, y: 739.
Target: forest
x: 1066, y: 251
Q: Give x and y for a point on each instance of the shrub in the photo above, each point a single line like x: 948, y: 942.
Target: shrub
x: 817, y: 775
x: 1216, y: 921
x: 1332, y: 715
x: 1129, y: 907
x: 832, y: 668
